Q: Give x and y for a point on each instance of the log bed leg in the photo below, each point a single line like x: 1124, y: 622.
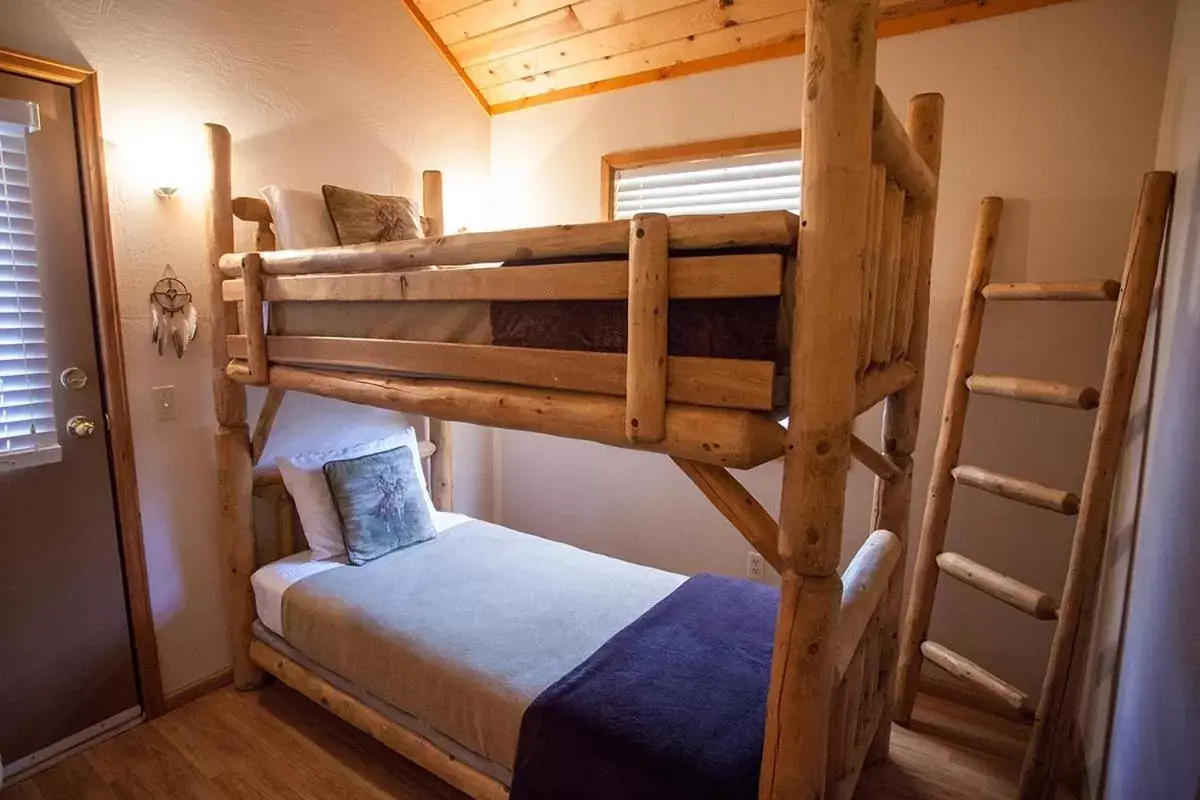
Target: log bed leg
x: 234, y: 471
x: 837, y: 118
x: 800, y: 699
x: 902, y: 414
x: 441, y: 465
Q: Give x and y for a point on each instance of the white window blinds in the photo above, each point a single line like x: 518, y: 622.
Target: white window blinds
x: 27, y: 427
x: 760, y: 182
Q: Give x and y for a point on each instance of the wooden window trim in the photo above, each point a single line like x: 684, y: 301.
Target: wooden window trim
x: 612, y: 163
x: 85, y: 101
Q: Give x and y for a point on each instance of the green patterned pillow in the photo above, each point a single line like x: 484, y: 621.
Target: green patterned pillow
x: 380, y: 502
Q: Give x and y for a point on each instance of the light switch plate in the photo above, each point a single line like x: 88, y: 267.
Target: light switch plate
x: 164, y: 403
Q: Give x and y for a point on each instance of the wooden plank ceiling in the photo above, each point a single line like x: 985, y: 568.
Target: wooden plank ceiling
x: 516, y: 53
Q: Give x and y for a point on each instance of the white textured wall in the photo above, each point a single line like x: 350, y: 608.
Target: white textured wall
x: 1057, y: 111
x: 1156, y: 734
x: 313, y: 92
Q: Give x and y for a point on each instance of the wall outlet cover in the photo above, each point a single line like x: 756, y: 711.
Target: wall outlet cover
x: 755, y: 566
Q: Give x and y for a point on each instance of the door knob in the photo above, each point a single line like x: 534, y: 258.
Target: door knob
x: 81, y: 426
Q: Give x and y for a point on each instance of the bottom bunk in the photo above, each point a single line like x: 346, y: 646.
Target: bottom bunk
x: 485, y: 652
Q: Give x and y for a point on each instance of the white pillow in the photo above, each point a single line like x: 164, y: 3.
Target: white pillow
x: 301, y: 219
x: 304, y: 477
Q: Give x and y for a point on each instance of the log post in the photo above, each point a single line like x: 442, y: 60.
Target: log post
x: 902, y: 413
x: 431, y: 203
x: 837, y: 117
x: 441, y: 463
x: 285, y: 520
x: 264, y: 237
x: 252, y: 322
x: 886, y: 292
x: 945, y: 458
x: 234, y: 472
x: 646, y: 364
x: 871, y: 262
x: 1062, y: 684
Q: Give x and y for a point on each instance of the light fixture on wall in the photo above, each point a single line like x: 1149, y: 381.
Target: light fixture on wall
x: 166, y: 192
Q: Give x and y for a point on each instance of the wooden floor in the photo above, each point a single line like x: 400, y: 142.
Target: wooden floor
x: 276, y: 744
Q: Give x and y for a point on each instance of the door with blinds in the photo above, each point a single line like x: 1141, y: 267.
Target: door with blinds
x: 66, y: 654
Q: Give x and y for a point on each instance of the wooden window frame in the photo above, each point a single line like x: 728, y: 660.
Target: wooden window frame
x: 85, y: 100
x: 612, y: 163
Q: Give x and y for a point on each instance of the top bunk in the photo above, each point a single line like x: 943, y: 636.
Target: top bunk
x: 669, y: 334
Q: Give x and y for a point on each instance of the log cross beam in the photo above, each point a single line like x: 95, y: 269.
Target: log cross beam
x: 738, y: 506
x: 266, y: 421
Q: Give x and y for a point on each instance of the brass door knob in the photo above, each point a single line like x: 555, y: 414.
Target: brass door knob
x: 81, y: 426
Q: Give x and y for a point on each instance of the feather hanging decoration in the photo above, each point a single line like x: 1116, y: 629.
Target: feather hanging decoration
x: 155, y: 316
x: 172, y: 314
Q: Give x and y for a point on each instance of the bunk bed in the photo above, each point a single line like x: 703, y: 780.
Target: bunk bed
x: 844, y: 292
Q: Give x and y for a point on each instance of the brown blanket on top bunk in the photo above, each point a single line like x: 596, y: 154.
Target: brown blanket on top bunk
x: 715, y: 328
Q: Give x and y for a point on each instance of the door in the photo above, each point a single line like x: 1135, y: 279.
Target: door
x: 66, y: 654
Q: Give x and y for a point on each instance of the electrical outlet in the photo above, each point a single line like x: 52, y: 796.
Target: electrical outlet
x: 755, y: 568
x: 164, y: 403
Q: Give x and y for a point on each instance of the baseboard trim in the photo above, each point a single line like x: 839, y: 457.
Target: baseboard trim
x: 43, y: 759
x: 196, y: 690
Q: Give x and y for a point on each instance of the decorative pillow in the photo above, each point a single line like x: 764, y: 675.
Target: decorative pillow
x: 359, y: 217
x: 305, y: 481
x: 379, y: 501
x: 301, y: 219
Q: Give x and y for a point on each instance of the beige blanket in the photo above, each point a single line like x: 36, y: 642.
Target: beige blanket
x: 464, y: 631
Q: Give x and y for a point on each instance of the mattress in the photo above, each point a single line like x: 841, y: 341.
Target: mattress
x: 745, y: 328
x: 271, y: 581
x: 462, y: 632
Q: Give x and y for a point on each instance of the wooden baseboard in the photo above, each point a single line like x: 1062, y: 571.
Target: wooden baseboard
x: 194, y: 691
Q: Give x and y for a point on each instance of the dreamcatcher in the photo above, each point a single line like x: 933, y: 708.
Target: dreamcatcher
x: 172, y: 314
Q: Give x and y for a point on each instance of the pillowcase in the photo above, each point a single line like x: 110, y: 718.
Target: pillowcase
x: 301, y: 219
x: 305, y: 481
x: 360, y: 218
x: 379, y: 503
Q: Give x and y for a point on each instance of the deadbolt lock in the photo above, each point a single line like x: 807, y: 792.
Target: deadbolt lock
x: 73, y: 378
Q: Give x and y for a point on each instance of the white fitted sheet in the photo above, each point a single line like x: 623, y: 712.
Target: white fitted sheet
x: 272, y: 580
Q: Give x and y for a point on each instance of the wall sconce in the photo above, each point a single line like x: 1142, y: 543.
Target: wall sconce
x: 166, y: 192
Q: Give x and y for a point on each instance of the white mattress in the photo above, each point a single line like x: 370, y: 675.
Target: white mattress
x: 272, y: 580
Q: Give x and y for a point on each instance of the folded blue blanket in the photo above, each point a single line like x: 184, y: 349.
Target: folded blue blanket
x: 673, y: 706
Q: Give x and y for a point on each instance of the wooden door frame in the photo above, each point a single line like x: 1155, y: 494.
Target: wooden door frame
x: 85, y: 101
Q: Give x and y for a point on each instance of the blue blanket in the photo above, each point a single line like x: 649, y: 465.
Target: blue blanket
x: 673, y: 706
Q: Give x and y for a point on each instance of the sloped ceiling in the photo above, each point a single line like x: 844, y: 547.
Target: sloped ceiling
x: 516, y: 53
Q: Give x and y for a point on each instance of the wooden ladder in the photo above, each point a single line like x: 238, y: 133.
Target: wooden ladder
x: 1073, y: 615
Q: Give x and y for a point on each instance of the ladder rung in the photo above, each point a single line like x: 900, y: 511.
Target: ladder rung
x: 1054, y: 290
x: 1034, y: 494
x: 1035, y: 391
x: 1033, y: 602
x: 970, y: 672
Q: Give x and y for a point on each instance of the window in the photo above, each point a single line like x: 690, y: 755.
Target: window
x: 749, y: 173
x: 28, y: 433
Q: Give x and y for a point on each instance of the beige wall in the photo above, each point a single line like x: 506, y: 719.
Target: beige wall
x: 1057, y: 111
x: 312, y: 92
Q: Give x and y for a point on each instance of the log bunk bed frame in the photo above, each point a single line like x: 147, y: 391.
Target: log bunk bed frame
x: 857, y: 298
